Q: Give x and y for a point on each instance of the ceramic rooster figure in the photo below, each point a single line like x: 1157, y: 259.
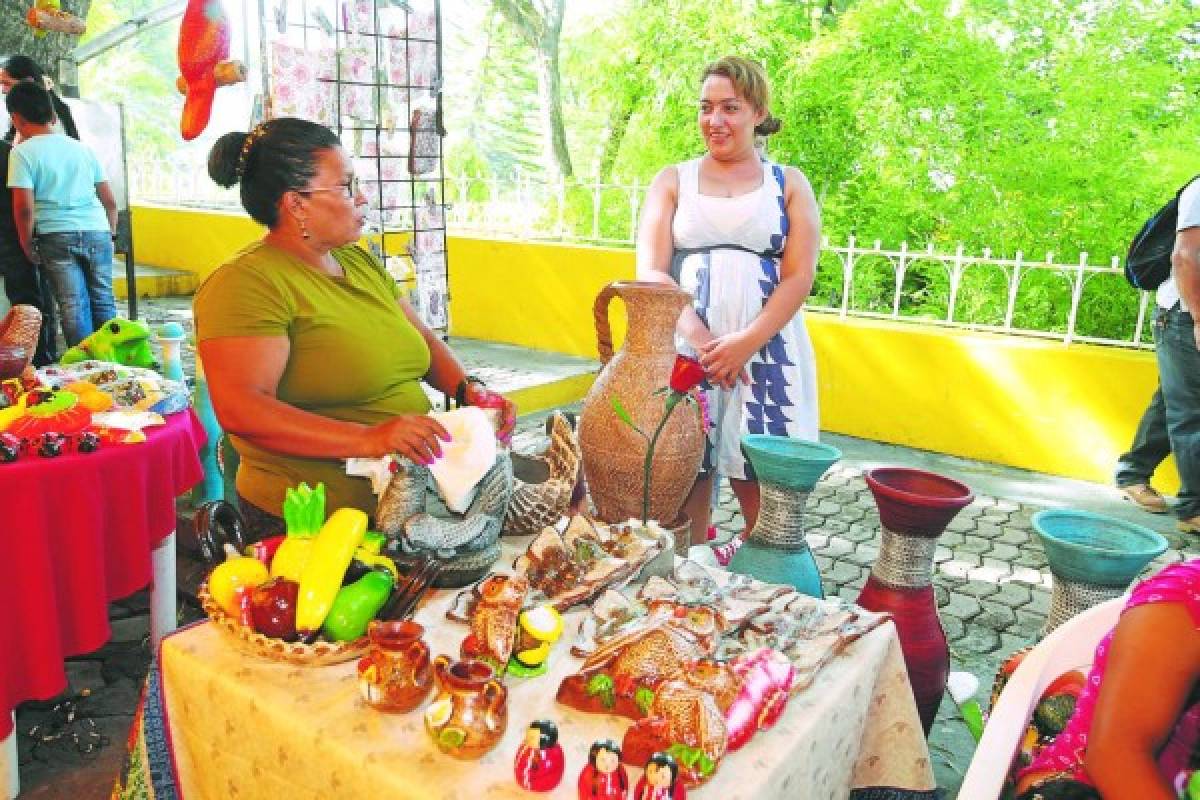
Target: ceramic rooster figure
x: 203, y: 56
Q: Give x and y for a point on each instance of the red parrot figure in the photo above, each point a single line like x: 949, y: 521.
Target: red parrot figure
x: 203, y: 43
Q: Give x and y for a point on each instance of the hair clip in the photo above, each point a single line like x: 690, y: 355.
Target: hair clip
x: 259, y: 130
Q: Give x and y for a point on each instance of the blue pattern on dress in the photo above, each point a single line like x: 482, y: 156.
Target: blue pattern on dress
x: 703, y: 292
x: 769, y: 411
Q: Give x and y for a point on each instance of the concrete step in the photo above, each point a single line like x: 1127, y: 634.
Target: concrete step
x: 154, y: 281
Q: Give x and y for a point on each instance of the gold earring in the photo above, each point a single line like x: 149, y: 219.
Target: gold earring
x: 304, y: 230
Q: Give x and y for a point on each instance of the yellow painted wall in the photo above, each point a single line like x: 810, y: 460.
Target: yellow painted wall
x: 1062, y: 409
x: 533, y: 295
x: 199, y: 241
x: 191, y: 240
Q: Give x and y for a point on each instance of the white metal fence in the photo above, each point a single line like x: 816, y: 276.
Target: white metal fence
x: 1071, y: 302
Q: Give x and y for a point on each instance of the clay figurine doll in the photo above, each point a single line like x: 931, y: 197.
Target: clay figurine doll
x: 604, y: 778
x: 660, y: 781
x: 539, y: 764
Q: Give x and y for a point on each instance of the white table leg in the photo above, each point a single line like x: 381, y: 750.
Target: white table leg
x: 9, y: 780
x: 162, y: 596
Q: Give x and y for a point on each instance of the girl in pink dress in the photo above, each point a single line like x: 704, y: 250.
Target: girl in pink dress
x: 1136, y: 725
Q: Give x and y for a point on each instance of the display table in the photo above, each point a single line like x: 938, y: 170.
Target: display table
x: 77, y: 532
x: 243, y: 727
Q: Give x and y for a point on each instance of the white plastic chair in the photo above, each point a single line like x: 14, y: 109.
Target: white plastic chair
x: 1070, y: 646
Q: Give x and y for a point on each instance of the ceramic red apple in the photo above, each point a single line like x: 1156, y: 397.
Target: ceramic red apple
x: 273, y: 608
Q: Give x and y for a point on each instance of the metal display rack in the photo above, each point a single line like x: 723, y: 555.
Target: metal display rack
x: 372, y: 71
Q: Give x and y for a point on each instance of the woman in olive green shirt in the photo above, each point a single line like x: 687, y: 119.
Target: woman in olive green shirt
x: 310, y: 352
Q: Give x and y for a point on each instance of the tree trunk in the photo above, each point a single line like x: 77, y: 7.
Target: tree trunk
x: 16, y: 37
x: 550, y: 91
x: 614, y: 135
x: 541, y: 27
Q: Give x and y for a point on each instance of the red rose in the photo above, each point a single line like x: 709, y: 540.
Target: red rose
x: 686, y: 374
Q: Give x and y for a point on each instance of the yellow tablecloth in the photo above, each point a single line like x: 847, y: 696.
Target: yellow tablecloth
x: 245, y: 728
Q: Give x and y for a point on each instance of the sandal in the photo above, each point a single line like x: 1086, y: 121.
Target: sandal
x: 724, y: 552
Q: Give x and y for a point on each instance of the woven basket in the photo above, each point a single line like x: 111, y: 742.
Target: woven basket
x: 318, y: 654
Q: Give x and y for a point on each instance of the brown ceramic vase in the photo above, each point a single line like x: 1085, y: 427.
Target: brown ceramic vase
x: 470, y: 710
x: 395, y: 675
x: 613, y: 453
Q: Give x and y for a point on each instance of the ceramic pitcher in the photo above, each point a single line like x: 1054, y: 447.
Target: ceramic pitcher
x: 613, y: 453
x: 470, y: 711
x: 395, y: 675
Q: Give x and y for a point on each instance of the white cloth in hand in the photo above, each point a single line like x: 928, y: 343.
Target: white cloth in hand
x: 466, y: 458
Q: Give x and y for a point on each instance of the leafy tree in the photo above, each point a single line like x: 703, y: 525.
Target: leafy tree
x: 501, y: 124
x: 139, y: 74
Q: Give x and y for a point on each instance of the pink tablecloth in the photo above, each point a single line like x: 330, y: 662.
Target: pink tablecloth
x: 76, y: 532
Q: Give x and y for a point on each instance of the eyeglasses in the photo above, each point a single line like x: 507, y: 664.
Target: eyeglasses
x: 349, y: 189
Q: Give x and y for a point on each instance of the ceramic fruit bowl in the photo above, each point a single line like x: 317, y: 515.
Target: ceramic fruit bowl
x: 248, y: 640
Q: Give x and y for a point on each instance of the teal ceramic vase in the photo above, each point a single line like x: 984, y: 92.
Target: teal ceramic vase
x: 776, y: 550
x: 1092, y: 557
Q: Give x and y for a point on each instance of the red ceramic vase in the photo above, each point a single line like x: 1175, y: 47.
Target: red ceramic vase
x: 915, y: 507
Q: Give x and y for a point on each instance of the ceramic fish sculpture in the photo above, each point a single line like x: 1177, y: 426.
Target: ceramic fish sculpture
x: 47, y: 15
x: 203, y: 48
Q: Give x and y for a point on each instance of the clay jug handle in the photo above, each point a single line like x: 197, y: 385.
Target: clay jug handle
x: 418, y: 656
x: 496, y: 696
x: 439, y: 669
x: 600, y: 315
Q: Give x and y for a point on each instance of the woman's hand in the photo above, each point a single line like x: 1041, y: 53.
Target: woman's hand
x: 417, y: 437
x: 482, y: 397
x: 724, y: 359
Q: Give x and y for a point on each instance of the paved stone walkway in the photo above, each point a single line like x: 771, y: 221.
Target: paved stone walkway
x: 991, y: 582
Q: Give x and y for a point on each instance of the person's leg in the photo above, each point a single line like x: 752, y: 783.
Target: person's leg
x: 746, y: 491
x: 1151, y: 444
x: 1179, y: 377
x: 96, y: 261
x: 698, y: 506
x: 747, y: 494
x: 48, y: 351
x: 24, y: 285
x: 60, y: 264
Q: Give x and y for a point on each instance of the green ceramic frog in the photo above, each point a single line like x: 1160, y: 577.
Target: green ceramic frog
x: 119, y: 340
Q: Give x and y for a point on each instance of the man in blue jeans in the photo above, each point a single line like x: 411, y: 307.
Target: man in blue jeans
x: 1151, y: 446
x: 1177, y: 345
x: 60, y: 192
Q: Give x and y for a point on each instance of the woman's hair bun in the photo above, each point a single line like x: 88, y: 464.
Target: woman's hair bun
x: 224, y: 157
x: 768, y: 126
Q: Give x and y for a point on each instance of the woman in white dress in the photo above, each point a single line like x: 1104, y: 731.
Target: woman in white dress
x: 741, y: 235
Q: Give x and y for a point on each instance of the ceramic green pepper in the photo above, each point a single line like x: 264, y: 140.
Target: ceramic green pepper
x: 356, y: 605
